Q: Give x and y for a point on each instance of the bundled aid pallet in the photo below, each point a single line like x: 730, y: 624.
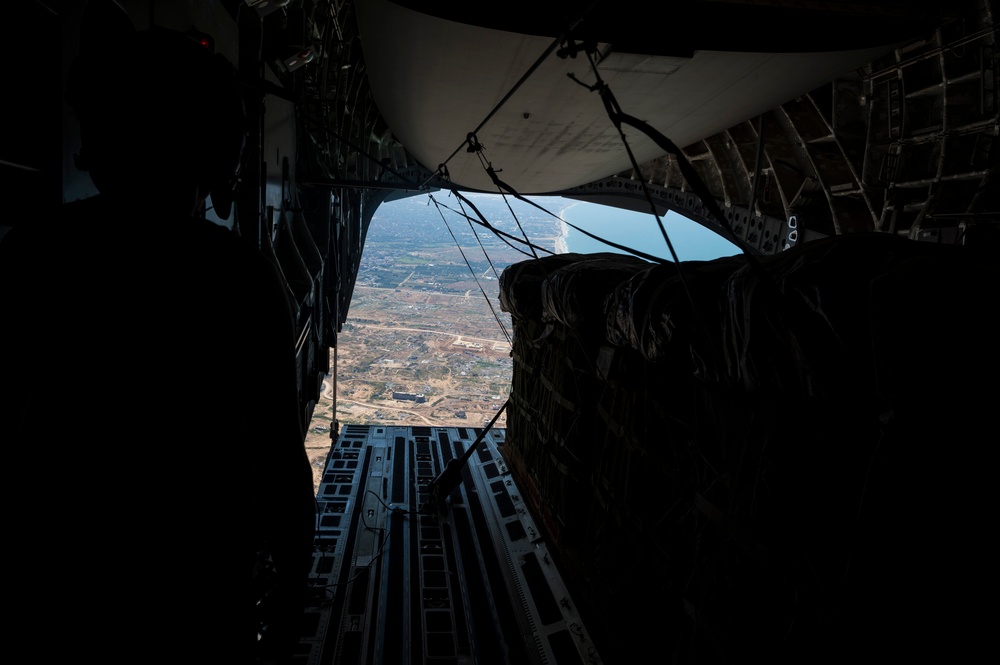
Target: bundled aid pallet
x: 735, y: 456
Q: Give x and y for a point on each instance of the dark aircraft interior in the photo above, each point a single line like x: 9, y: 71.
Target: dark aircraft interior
x: 781, y: 456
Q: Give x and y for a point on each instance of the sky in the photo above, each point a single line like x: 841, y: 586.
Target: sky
x: 691, y: 241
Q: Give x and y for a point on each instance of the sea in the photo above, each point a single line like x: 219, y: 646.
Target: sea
x: 691, y: 241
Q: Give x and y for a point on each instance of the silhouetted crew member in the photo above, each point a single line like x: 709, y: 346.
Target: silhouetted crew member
x: 150, y: 415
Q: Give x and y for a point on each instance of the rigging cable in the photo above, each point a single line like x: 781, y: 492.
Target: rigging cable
x: 475, y: 146
x: 496, y: 316
x: 472, y: 144
x: 558, y: 41
x: 482, y: 221
x: 502, y: 185
x: 619, y: 117
x: 479, y: 240
x: 489, y: 170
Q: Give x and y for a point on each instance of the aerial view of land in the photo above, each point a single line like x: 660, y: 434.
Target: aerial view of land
x: 425, y: 342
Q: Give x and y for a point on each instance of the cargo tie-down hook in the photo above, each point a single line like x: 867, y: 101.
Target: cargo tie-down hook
x: 474, y: 144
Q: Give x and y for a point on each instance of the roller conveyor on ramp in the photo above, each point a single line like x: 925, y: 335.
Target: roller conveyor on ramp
x: 397, y: 579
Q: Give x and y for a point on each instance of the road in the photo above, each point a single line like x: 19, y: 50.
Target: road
x: 431, y: 332
x: 382, y: 406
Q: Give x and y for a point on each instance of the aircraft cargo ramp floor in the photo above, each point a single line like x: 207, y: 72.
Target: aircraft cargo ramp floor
x: 473, y: 583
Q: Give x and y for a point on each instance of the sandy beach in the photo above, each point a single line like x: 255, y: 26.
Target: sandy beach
x: 560, y: 241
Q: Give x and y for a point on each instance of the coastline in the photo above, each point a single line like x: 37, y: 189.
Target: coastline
x: 560, y: 242
x: 561, y: 247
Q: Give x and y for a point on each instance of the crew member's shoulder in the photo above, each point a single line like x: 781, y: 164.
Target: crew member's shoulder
x: 227, y: 242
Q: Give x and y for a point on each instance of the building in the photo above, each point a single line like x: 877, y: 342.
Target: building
x: 412, y: 397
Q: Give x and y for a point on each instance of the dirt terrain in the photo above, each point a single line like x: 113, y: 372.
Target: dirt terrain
x: 463, y: 380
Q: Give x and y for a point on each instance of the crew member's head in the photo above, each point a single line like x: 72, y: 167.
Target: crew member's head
x: 161, y: 117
